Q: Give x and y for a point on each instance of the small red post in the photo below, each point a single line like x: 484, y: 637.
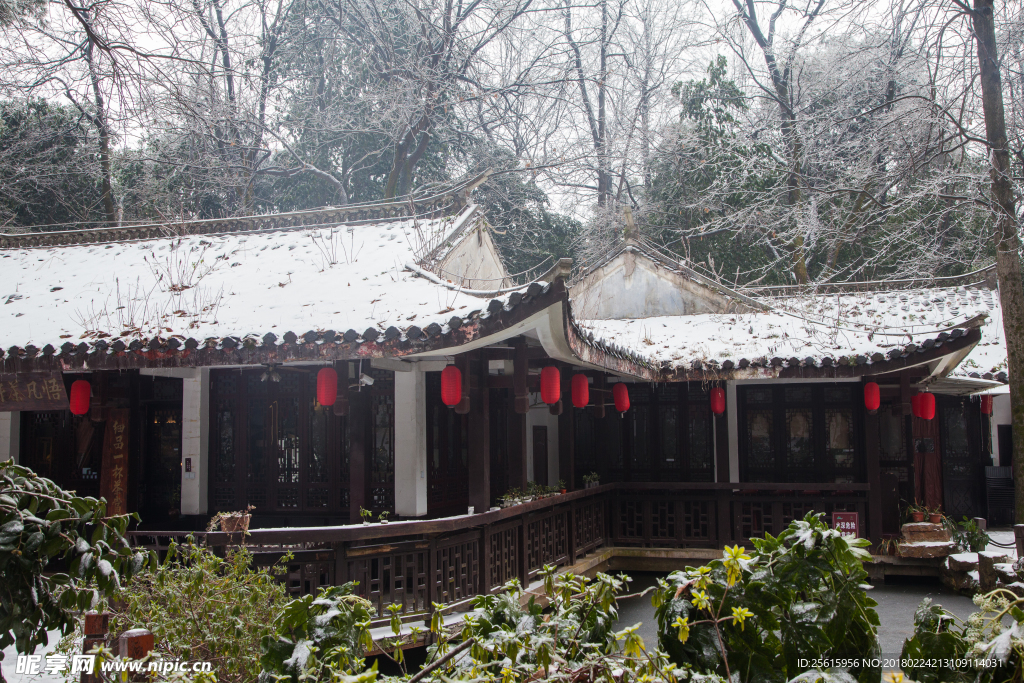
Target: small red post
x: 135, y: 644
x: 95, y: 629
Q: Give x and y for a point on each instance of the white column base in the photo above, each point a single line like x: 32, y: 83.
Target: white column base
x: 10, y: 436
x: 411, y: 443
x: 195, y: 443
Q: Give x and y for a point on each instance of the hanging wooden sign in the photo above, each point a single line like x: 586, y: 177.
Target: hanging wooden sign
x: 114, y: 475
x: 32, y: 391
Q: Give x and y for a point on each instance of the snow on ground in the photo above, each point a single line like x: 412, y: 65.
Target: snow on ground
x: 202, y: 286
x: 817, y: 326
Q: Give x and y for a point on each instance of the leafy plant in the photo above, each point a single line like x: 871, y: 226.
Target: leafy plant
x: 966, y: 535
x: 40, y: 523
x: 203, y: 607
x: 799, y: 596
x: 987, y: 648
x: 383, y: 516
x: 320, y: 637
x: 592, y: 478
x: 217, y: 521
x: 364, y: 513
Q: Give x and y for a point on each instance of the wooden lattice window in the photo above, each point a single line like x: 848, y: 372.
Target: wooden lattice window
x: 273, y: 446
x: 804, y: 433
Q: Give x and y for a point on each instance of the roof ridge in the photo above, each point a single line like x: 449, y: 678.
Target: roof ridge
x: 445, y: 203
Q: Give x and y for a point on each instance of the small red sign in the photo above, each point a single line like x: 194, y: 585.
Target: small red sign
x: 846, y: 523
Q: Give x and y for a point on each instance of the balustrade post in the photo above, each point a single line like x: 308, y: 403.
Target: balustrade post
x: 722, y: 518
x: 485, y: 560
x: 95, y: 629
x: 340, y: 564
x: 571, y: 517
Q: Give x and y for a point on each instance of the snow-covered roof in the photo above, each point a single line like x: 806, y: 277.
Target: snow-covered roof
x: 827, y: 329
x: 333, y: 277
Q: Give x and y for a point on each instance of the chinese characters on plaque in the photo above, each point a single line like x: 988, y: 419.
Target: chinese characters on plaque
x: 846, y: 523
x: 114, y: 478
x: 32, y: 391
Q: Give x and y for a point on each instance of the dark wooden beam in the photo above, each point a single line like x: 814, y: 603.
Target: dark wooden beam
x: 723, y: 513
x: 359, y: 427
x: 462, y: 363
x: 874, y: 472
x: 520, y: 377
x: 516, y: 450
x: 566, y: 432
x: 479, y: 465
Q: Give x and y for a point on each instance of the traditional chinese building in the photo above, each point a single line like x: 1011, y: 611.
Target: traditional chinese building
x: 197, y: 349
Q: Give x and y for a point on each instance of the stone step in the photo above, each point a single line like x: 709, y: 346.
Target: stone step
x: 926, y: 549
x: 915, y: 532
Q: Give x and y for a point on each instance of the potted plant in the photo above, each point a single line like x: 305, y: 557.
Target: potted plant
x: 934, y: 515
x: 232, y: 522
x: 383, y: 517
x: 560, y: 485
x: 591, y: 480
x: 365, y: 514
x: 916, y: 512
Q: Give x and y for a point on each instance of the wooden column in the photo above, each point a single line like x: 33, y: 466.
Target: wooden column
x: 516, y: 450
x: 874, y: 472
x: 567, y: 433
x: 479, y: 464
x: 723, y: 513
x: 520, y: 378
x: 359, y: 449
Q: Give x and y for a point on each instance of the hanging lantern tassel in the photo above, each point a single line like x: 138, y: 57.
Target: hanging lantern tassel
x: 986, y: 404
x: 580, y: 390
x: 451, y: 386
x: 550, y: 385
x: 326, y: 386
x: 872, y: 397
x: 927, y: 406
x: 621, y: 395
x: 79, y: 399
x: 717, y: 400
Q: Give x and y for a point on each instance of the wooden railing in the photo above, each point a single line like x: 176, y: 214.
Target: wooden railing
x: 448, y: 561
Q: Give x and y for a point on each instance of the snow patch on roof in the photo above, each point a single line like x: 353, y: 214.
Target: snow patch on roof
x: 203, y: 286
x: 834, y: 325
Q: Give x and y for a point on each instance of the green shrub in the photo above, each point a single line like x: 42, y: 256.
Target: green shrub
x: 320, y: 637
x: 799, y: 596
x: 40, y: 522
x: 203, y: 607
x: 987, y: 648
x: 966, y: 535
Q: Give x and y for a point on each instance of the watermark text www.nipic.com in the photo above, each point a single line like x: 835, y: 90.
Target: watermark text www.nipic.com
x: 33, y: 665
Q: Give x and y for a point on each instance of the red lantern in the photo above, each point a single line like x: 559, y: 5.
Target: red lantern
x: 326, y: 386
x: 621, y: 395
x: 580, y: 390
x: 80, y: 392
x: 550, y: 385
x: 718, y: 400
x: 451, y: 386
x: 872, y: 397
x: 926, y: 406
x: 986, y: 404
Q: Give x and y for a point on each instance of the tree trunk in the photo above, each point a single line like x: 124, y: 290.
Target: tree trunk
x: 1011, y: 285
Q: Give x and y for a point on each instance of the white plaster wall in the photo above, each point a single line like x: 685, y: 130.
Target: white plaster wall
x: 732, y: 419
x: 195, y: 442
x: 411, y: 443
x: 1000, y: 416
x: 633, y: 286
x: 10, y: 436
x: 541, y: 416
x: 476, y: 261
